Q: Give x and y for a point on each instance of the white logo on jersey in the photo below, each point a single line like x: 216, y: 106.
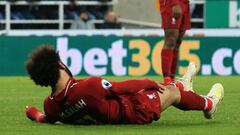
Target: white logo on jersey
x: 173, y: 20
x: 106, y: 84
x: 151, y: 96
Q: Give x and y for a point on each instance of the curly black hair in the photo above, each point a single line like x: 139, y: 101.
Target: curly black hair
x: 43, y: 66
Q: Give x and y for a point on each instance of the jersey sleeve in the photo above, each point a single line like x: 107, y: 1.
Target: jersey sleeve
x: 133, y: 86
x: 50, y: 109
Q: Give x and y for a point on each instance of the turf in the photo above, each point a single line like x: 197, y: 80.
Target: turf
x: 17, y: 92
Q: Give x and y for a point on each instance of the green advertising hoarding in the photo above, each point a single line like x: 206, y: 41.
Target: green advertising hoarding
x: 120, y: 56
x: 222, y: 13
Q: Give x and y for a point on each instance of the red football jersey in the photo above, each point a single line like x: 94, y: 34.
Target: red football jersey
x: 183, y: 23
x: 96, y: 100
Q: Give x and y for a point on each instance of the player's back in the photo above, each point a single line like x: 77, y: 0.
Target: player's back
x: 82, y: 101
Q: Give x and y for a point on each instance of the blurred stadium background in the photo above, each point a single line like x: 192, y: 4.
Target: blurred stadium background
x: 119, y: 39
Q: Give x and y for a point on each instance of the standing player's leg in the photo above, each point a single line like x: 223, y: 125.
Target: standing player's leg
x: 175, y: 54
x: 185, y: 24
x: 171, y: 28
x: 167, y: 54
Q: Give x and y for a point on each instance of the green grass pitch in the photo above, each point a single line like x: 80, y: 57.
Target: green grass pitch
x: 17, y: 92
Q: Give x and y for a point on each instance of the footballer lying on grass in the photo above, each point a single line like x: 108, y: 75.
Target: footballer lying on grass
x: 95, y: 100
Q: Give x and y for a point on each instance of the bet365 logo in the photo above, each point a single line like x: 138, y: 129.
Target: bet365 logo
x: 137, y: 57
x: 234, y: 14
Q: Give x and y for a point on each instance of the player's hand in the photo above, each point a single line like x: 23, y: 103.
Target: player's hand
x: 31, y: 112
x: 34, y: 114
x: 162, y: 88
x: 177, y: 11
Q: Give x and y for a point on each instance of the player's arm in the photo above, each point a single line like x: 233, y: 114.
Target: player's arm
x: 133, y: 86
x: 35, y: 115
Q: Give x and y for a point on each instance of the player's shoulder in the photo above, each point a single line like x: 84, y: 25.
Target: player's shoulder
x: 98, y: 82
x: 88, y: 82
x: 48, y: 100
x: 92, y: 79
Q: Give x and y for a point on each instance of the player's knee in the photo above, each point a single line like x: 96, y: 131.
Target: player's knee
x: 170, y: 43
x: 175, y: 93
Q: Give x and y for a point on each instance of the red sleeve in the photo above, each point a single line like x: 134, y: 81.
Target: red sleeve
x: 34, y: 114
x: 133, y: 86
x: 51, y: 110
